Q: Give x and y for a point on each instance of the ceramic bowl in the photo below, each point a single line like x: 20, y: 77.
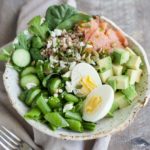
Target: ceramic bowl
x: 106, y: 126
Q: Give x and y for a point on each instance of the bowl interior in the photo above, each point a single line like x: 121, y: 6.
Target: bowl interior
x: 105, y: 126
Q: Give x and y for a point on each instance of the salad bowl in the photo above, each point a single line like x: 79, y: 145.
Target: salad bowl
x: 106, y: 126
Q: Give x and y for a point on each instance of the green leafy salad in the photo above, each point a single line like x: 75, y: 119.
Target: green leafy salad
x: 74, y: 69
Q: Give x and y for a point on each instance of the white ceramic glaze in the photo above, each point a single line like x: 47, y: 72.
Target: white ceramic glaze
x: 104, y: 127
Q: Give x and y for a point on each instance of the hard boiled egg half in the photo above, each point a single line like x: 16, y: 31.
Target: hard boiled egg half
x: 84, y: 79
x: 98, y: 103
x: 99, y: 98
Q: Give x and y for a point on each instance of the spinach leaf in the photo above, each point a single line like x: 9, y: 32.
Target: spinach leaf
x: 36, y: 54
x: 37, y: 42
x: 22, y: 41
x: 37, y: 28
x: 58, y: 13
x: 6, y: 52
x: 70, y: 22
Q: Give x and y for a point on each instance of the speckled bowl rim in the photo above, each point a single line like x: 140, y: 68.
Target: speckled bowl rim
x: 122, y: 126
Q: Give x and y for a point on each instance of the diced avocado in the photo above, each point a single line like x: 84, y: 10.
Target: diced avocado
x: 130, y: 92
x: 118, y: 82
x: 134, y: 75
x: 112, y: 82
x: 122, y: 82
x: 117, y: 69
x: 120, y: 56
x: 124, y: 69
x: 105, y: 64
x: 138, y: 77
x: 134, y: 62
x: 130, y: 51
x: 105, y: 75
x: 114, y: 107
x: 121, y: 100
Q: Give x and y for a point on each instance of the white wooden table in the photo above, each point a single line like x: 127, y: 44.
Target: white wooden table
x: 133, y: 16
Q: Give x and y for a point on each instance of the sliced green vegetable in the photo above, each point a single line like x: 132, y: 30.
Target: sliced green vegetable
x: 79, y: 107
x: 21, y: 58
x: 56, y: 119
x: 54, y: 102
x: 28, y: 70
x: 33, y: 113
x: 32, y: 93
x: 42, y: 104
x: 70, y: 98
x: 89, y: 126
x: 73, y: 115
x: 52, y: 127
x: 75, y: 125
x: 47, y: 67
x: 39, y: 69
x: 22, y: 96
x: 29, y: 81
x: 53, y: 85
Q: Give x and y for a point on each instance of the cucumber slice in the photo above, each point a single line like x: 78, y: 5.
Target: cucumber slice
x: 29, y: 81
x: 21, y: 58
x: 32, y: 93
x: 47, y: 67
x: 28, y: 70
x: 23, y: 95
x: 45, y: 80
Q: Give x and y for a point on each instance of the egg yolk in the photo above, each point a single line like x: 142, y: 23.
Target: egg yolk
x: 93, y: 104
x: 87, y: 85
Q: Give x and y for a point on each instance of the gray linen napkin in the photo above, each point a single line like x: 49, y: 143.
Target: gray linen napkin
x: 28, y: 11
x: 10, y: 119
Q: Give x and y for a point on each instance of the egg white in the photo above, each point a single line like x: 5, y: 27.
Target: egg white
x: 107, y: 94
x: 81, y: 70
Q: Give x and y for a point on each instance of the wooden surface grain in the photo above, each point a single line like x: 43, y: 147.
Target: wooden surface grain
x: 133, y: 16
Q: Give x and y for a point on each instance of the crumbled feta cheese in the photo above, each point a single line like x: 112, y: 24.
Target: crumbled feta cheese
x: 54, y: 49
x: 30, y: 85
x: 82, y: 44
x: 52, y: 65
x: 69, y: 51
x: 93, y: 62
x: 72, y: 65
x: 15, y: 41
x: 67, y: 107
x: 60, y: 91
x: 53, y: 34
x: 58, y: 32
x: 27, y: 34
x: 49, y: 44
x: 63, y: 64
x: 53, y: 59
x: 67, y: 74
x: 57, y: 90
x: 42, y: 20
x: 89, y: 46
x: 78, y: 56
x: 55, y: 95
x: 69, y: 87
x: 54, y: 41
